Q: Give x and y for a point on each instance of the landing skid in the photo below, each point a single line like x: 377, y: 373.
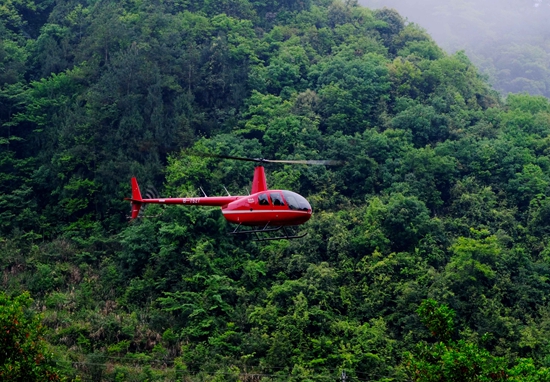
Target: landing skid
x: 268, y: 228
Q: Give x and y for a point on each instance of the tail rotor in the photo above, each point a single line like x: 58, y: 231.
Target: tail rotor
x: 138, y: 205
x: 150, y: 193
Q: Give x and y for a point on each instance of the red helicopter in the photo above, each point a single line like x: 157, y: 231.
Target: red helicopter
x: 267, y: 210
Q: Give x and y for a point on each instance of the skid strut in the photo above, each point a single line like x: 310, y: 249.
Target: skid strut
x: 268, y: 228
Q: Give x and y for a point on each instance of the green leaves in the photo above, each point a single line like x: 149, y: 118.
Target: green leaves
x: 203, y: 308
x: 526, y: 103
x: 398, y: 224
x: 350, y: 90
x: 460, y: 360
x: 473, y: 259
x: 24, y: 354
x: 439, y: 319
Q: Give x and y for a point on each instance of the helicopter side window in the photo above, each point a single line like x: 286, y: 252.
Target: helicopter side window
x: 276, y: 199
x: 262, y: 200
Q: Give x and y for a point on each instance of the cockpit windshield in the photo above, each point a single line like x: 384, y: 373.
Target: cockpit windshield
x: 296, y: 202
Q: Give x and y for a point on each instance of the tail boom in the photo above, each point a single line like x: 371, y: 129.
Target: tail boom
x: 212, y: 201
x: 137, y: 201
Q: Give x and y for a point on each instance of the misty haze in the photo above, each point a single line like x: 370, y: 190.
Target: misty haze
x: 507, y: 40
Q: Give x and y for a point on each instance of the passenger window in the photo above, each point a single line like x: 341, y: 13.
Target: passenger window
x: 276, y: 199
x: 262, y: 200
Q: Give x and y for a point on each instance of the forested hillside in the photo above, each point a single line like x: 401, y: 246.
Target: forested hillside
x: 508, y: 40
x: 427, y: 256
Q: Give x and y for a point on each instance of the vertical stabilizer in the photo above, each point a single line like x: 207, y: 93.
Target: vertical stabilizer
x: 136, y: 193
x: 136, y: 198
x: 258, y: 183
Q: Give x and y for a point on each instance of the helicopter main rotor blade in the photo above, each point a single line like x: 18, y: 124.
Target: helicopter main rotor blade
x: 207, y: 155
x: 316, y: 162
x: 262, y: 160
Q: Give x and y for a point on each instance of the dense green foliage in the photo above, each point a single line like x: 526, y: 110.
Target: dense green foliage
x: 443, y: 197
x: 450, y: 360
x: 23, y: 353
x: 507, y: 39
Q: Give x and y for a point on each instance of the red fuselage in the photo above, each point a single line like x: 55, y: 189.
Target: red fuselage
x: 273, y: 207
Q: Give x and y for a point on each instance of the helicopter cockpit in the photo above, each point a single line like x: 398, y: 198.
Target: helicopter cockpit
x: 293, y: 200
x: 296, y: 202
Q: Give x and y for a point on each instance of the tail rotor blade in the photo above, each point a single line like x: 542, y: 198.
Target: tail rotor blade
x: 151, y: 193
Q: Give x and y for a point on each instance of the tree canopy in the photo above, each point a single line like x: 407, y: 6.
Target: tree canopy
x: 430, y: 245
